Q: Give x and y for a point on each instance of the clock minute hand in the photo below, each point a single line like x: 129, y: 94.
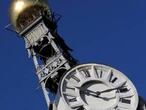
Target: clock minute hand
x: 116, y: 88
x: 108, y: 90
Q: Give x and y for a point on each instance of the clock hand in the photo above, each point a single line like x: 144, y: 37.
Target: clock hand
x: 89, y: 92
x: 86, y: 91
x: 92, y: 93
x: 116, y: 88
x: 104, y: 98
x: 108, y: 90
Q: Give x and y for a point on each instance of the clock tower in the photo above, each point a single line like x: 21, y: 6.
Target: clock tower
x: 37, y: 26
x: 76, y: 86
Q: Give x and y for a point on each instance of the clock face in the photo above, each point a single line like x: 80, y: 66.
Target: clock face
x: 98, y: 87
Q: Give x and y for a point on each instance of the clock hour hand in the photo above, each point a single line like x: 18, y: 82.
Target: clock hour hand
x: 95, y: 94
x: 91, y: 92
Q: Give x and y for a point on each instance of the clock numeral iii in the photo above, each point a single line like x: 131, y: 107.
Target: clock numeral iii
x: 126, y: 101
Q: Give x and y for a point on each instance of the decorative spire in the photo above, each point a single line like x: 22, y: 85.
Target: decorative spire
x: 24, y: 12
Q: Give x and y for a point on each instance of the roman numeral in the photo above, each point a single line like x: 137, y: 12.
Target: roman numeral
x: 124, y: 100
x: 112, y: 79
x: 70, y: 92
x: 79, y: 108
x: 72, y: 99
x: 75, y: 78
x: 99, y: 73
x: 124, y: 104
x: 123, y: 90
x: 86, y: 73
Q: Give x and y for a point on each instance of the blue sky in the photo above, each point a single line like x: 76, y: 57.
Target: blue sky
x: 111, y: 32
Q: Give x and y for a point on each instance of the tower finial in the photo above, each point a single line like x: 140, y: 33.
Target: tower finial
x: 23, y: 12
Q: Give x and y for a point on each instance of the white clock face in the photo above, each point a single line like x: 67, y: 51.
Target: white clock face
x: 98, y: 87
